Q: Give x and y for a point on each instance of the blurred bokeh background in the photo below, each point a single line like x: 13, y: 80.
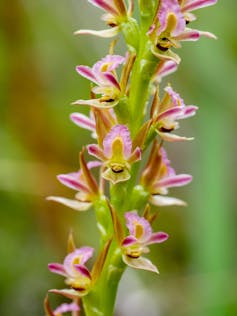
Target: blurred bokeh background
x: 38, y: 55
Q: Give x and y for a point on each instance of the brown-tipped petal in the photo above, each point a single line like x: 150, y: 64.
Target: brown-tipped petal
x: 126, y: 71
x: 47, y: 307
x: 168, y: 55
x: 118, y: 228
x: 140, y: 138
x: 100, y: 261
x: 120, y: 7
x: 74, y: 204
x: 153, y: 165
x: 155, y: 104
x: 87, y: 175
x: 97, y: 103
x: 102, y: 33
x: 140, y: 263
x: 71, y: 243
x: 135, y: 156
x: 159, y: 200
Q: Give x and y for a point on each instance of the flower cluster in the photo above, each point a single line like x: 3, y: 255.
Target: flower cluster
x: 116, y: 185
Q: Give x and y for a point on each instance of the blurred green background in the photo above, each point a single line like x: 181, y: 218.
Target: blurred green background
x: 38, y: 55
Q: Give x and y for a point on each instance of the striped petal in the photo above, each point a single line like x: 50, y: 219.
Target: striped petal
x: 83, y: 121
x: 140, y: 263
x: 192, y: 5
x: 174, y: 181
x: 87, y: 73
x: 74, y: 204
x: 57, y: 268
x: 71, y: 182
x: 160, y: 200
x: 173, y: 138
x: 95, y: 151
x: 102, y: 33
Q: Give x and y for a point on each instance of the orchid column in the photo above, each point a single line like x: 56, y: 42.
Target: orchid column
x: 129, y: 114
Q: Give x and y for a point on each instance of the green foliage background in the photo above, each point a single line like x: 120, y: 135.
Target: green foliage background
x: 38, y: 55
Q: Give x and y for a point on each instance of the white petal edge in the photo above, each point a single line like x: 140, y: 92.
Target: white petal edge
x: 159, y: 200
x: 140, y: 263
x: 74, y: 204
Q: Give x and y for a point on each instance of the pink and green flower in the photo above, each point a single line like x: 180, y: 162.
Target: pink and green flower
x: 135, y: 244
x: 117, y: 154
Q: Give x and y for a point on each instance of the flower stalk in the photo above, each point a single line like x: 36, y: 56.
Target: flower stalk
x: 123, y: 192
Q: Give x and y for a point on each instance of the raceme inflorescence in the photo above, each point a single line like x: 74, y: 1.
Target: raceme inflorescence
x: 128, y: 114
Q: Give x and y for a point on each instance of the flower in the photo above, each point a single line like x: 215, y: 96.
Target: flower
x: 73, y: 268
x: 135, y: 244
x: 158, y: 176
x: 169, y: 29
x: 116, y: 14
x: 65, y: 308
x: 104, y: 76
x: 117, y: 154
x: 81, y: 181
x: 171, y: 109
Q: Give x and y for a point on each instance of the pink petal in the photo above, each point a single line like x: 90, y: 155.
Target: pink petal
x: 95, y: 151
x: 167, y: 67
x: 173, y: 181
x: 110, y: 61
x: 72, y: 183
x: 83, y: 121
x: 140, y: 263
x: 118, y: 131
x: 159, y: 200
x: 207, y: 34
x: 86, y: 72
x: 105, y: 5
x: 74, y: 204
x: 82, y: 270
x: 129, y: 240
x: 188, y: 35
x: 188, y: 111
x: 165, y: 8
x: 192, y: 5
x: 158, y: 238
x: 133, y: 219
x: 64, y: 308
x: 170, y: 113
x: 111, y: 79
x: 103, y: 33
x: 57, y: 268
x: 83, y: 254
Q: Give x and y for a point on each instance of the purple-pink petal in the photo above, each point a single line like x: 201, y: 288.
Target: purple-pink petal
x: 87, y: 73
x: 192, y: 5
x: 188, y: 35
x: 132, y: 220
x: 118, y: 131
x: 57, y: 268
x: 110, y: 78
x: 170, y: 7
x: 64, y: 308
x: 95, y: 151
x: 158, y: 237
x: 170, y: 113
x: 104, y: 5
x: 71, y: 182
x: 83, y: 270
x: 128, y: 241
x: 83, y: 121
x: 173, y: 181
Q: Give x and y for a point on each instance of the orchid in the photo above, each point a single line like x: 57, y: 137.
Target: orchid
x: 74, y: 270
x: 104, y: 76
x: 119, y: 105
x: 136, y: 243
x: 117, y: 154
x: 171, y: 109
x: 116, y: 14
x: 169, y: 29
x: 81, y: 181
x: 158, y: 176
